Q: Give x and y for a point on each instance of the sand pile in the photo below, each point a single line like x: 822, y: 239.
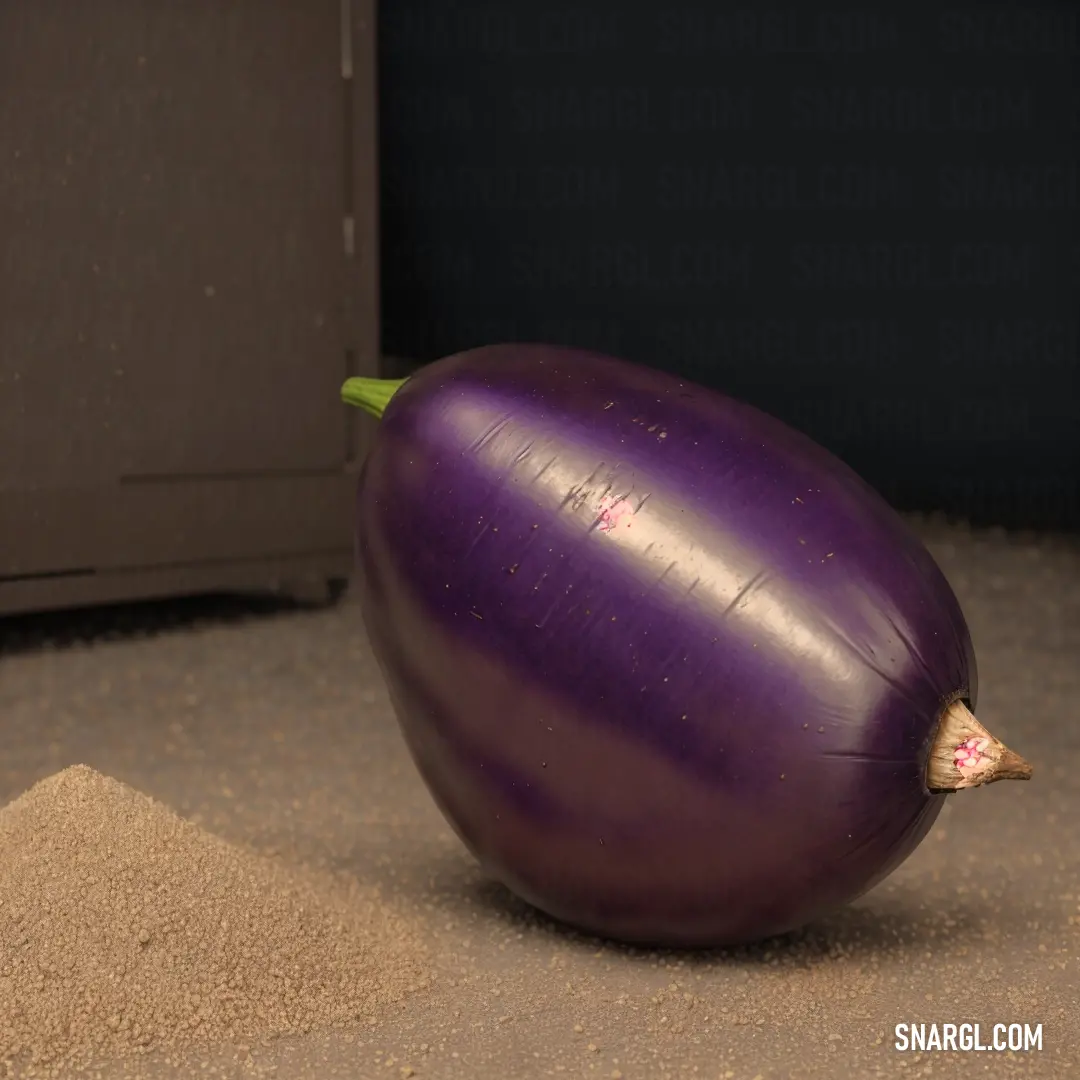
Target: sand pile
x: 124, y: 929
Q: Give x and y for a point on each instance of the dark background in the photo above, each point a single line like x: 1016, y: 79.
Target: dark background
x: 862, y: 219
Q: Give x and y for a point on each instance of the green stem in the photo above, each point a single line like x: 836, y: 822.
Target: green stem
x: 371, y: 395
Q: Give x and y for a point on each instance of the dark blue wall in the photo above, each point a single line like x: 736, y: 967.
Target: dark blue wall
x: 861, y: 219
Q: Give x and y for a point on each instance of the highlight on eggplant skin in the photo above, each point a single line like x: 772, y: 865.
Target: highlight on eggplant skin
x: 671, y: 670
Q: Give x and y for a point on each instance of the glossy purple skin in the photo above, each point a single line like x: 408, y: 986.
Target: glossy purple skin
x: 702, y: 719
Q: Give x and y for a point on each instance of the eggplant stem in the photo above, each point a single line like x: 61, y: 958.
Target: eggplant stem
x: 965, y: 755
x: 371, y: 395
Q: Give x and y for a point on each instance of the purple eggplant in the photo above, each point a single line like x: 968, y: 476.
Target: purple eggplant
x: 672, y: 671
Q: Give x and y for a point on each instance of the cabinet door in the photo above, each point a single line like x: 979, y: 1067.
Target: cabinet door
x: 171, y: 194
x: 171, y: 278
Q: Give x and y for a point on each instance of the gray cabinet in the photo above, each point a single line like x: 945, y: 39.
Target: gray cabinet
x: 188, y: 231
